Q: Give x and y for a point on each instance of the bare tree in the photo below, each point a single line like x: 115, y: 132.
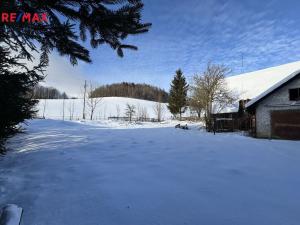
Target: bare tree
x: 91, y: 101
x: 71, y: 109
x: 159, y: 110
x: 210, y: 91
x: 144, y: 113
x: 63, y: 111
x: 84, y: 99
x: 130, y: 111
x: 118, y: 110
x: 195, y: 102
x: 44, y: 108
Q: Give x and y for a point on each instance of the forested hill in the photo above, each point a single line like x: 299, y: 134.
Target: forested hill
x: 132, y: 90
x: 41, y: 92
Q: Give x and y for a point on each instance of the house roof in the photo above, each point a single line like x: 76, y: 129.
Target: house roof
x: 256, y: 85
x: 272, y: 89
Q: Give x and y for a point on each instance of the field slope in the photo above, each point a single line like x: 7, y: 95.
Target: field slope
x: 107, y: 107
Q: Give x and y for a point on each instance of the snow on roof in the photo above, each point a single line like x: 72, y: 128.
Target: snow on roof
x: 271, y: 89
x: 255, y: 85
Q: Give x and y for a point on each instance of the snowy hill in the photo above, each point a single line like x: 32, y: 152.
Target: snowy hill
x: 107, y: 107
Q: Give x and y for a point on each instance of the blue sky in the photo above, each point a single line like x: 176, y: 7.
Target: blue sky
x: 188, y: 34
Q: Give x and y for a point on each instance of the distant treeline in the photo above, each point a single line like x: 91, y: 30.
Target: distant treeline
x: 132, y: 90
x: 40, y: 92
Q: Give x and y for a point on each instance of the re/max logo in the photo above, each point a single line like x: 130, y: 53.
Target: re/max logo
x: 23, y: 17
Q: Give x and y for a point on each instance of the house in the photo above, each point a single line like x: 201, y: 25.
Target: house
x: 277, y: 110
x: 274, y: 106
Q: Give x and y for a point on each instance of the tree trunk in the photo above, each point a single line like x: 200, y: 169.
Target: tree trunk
x: 83, y: 113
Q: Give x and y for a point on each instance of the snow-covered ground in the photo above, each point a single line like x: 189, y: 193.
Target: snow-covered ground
x: 115, y: 124
x: 74, y: 173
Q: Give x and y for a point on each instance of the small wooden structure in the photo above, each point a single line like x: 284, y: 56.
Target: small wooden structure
x: 229, y: 122
x: 232, y: 121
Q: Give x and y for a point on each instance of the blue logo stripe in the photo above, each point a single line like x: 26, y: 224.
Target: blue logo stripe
x: 19, y: 17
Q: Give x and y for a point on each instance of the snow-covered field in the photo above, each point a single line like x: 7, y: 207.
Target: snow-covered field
x: 75, y: 173
x: 107, y: 107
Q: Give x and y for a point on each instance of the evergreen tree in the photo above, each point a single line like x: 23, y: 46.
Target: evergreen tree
x: 70, y: 23
x: 16, y: 102
x: 178, y: 94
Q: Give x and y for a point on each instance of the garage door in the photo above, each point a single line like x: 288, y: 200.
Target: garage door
x: 286, y: 124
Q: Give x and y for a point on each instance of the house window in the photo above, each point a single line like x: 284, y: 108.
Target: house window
x: 294, y: 94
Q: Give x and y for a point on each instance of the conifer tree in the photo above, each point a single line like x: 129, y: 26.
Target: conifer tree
x: 178, y: 94
x: 16, y: 102
x: 69, y: 24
